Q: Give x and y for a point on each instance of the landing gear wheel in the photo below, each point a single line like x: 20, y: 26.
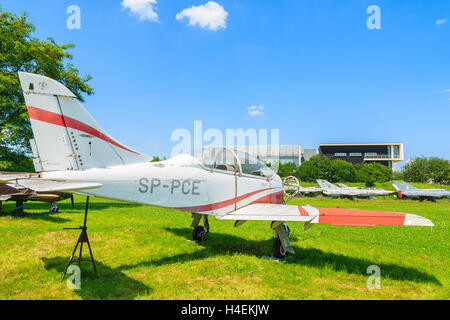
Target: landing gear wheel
x: 53, y: 208
x: 278, y: 250
x: 199, y: 233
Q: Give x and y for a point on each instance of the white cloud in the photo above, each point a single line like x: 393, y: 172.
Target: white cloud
x: 210, y: 15
x: 144, y: 9
x: 256, y: 111
x: 441, y: 21
x: 448, y: 90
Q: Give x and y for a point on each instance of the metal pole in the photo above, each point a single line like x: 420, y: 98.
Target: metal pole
x: 86, y: 212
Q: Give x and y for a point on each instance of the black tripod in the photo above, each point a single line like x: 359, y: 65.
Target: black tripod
x: 83, y: 238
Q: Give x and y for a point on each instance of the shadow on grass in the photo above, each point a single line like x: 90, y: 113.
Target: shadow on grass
x: 110, y: 284
x: 223, y: 244
x: 40, y: 211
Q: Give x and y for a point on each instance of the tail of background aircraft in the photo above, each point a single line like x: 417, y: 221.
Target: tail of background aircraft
x: 342, y: 185
x: 402, y: 186
x: 326, y: 185
x: 66, y: 137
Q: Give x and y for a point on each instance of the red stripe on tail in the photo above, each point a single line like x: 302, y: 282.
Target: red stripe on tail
x: 64, y: 121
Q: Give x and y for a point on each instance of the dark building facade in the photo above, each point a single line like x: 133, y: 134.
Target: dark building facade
x: 384, y: 153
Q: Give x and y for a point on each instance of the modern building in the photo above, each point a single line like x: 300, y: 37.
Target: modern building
x: 387, y: 154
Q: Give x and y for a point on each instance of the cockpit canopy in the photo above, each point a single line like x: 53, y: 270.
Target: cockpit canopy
x: 225, y: 159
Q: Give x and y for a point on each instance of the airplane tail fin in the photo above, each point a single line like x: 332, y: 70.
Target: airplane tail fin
x: 402, y: 186
x: 326, y: 185
x: 66, y: 136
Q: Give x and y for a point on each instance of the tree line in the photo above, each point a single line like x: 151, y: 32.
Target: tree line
x: 425, y: 170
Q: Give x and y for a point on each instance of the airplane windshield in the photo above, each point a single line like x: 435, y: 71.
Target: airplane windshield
x: 216, y: 158
x: 223, y: 159
x: 253, y: 166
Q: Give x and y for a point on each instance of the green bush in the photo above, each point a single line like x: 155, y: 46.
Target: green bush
x: 286, y: 169
x: 370, y: 173
x: 310, y: 170
x: 15, y: 162
x: 324, y: 168
x: 341, y: 170
x: 424, y: 170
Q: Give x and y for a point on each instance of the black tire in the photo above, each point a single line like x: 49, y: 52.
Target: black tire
x: 199, y: 234
x: 277, y: 249
x: 53, y: 209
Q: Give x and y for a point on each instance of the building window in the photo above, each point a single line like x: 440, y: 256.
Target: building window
x: 396, y: 152
x: 356, y: 154
x: 371, y: 154
x: 340, y: 154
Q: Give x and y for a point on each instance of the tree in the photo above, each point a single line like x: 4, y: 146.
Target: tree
x: 287, y: 169
x: 341, y: 170
x: 158, y: 159
x: 309, y: 170
x: 372, y: 172
x: 323, y: 168
x: 439, y: 170
x: 20, y: 51
x: 427, y: 170
x: 416, y: 170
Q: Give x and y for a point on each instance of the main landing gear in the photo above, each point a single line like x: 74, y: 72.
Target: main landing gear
x: 200, y: 233
x: 282, y: 247
x: 53, y: 208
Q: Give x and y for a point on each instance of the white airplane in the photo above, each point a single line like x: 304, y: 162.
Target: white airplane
x: 381, y: 191
x: 331, y: 190
x: 73, y: 153
x: 405, y: 190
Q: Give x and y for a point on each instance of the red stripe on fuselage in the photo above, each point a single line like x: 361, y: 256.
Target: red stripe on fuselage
x: 64, y: 121
x: 275, y: 198
x: 222, y: 204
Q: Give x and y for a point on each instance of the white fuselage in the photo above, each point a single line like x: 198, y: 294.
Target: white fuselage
x: 356, y: 192
x: 211, y: 192
x: 427, y: 193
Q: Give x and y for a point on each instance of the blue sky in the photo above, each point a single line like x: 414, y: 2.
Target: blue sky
x: 320, y: 74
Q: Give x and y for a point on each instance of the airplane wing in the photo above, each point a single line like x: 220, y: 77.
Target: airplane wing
x: 6, y: 177
x: 333, y: 216
x: 5, y: 198
x: 50, y: 185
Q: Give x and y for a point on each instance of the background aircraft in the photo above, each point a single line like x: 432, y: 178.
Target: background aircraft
x: 292, y: 185
x: 73, y: 153
x: 331, y: 190
x: 380, y: 190
x: 11, y: 191
x: 406, y: 190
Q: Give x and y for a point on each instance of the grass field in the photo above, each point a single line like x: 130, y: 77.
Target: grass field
x: 144, y: 253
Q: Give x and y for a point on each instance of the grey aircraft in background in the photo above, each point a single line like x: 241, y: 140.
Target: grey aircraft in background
x: 406, y: 190
x: 331, y: 190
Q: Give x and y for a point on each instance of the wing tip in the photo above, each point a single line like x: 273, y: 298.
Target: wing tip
x: 414, y: 220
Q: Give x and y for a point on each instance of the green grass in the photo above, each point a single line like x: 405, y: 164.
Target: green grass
x: 144, y: 253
